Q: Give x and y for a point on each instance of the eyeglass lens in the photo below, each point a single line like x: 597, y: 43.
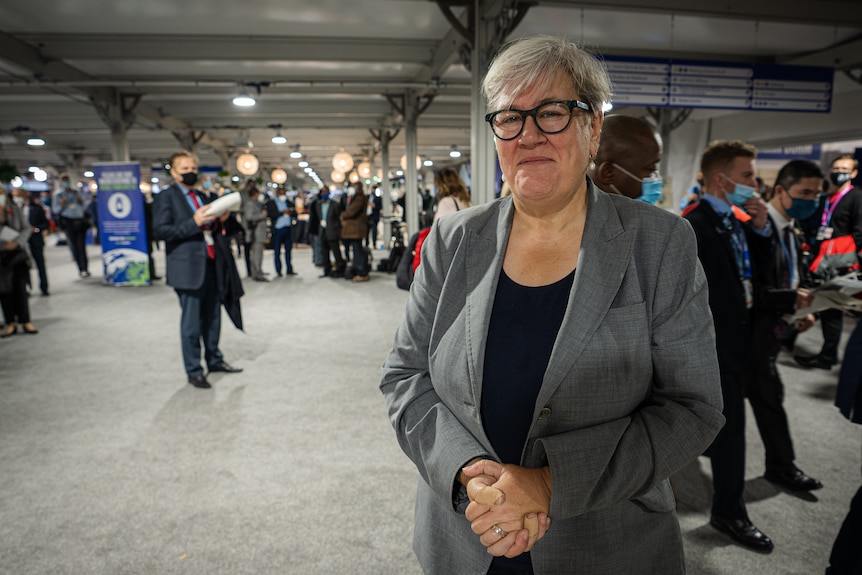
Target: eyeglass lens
x: 551, y: 118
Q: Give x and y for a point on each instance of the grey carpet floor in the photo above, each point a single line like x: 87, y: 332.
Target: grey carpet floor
x: 111, y: 464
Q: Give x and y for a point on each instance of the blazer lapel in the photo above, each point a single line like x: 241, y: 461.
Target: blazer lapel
x: 606, y: 249
x: 485, y: 249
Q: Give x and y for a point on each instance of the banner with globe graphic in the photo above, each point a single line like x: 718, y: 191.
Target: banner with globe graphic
x: 122, y: 227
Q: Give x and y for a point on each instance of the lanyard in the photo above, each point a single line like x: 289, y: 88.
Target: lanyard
x: 830, y: 206
x: 789, y: 249
x: 740, y: 250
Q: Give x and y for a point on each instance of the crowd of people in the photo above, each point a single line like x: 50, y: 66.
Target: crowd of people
x: 564, y: 350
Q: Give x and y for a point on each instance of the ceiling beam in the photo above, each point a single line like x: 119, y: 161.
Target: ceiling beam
x: 173, y: 47
x: 28, y: 57
x: 841, y: 57
x: 824, y: 12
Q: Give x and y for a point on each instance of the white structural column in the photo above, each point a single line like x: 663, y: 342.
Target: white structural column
x: 483, y: 155
x: 117, y: 111
x: 411, y: 188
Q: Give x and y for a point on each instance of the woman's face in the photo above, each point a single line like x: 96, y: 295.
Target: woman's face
x: 541, y: 166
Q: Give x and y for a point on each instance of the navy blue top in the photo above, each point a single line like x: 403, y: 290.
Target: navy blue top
x: 521, y: 335
x: 524, y: 325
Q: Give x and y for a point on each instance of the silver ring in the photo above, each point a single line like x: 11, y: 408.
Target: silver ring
x: 497, y: 530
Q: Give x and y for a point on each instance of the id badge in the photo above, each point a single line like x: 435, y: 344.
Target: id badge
x: 749, y: 292
x: 208, y: 237
x: 824, y: 233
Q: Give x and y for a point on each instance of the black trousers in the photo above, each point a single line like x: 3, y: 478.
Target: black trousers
x: 326, y: 246
x: 37, y: 250
x: 201, y: 321
x: 727, y: 452
x: 15, y: 306
x: 831, y: 322
x: 76, y: 234
x: 845, y: 558
x: 765, y: 392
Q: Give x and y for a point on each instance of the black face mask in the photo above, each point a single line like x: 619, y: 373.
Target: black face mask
x: 190, y: 178
x: 839, y: 178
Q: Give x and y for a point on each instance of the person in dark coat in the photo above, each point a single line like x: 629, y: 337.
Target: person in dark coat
x: 728, y: 250
x: 34, y: 213
x: 840, y: 214
x: 182, y: 220
x: 326, y: 222
x: 354, y: 227
x: 846, y: 558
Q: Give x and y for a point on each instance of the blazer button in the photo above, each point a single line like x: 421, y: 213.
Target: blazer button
x: 545, y: 413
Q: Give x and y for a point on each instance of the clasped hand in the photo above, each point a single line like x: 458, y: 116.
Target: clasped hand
x: 513, y: 499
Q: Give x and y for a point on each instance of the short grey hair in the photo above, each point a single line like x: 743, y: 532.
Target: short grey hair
x: 535, y: 63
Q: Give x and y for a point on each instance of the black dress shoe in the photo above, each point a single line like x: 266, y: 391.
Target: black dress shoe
x: 199, y: 381
x: 794, y: 479
x: 817, y: 361
x: 743, y: 532
x: 225, y: 367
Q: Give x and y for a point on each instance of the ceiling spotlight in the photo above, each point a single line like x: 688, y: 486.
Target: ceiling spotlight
x: 88, y: 174
x: 302, y: 164
x: 243, y: 99
x: 428, y: 163
x: 296, y: 154
x: 454, y: 153
x: 279, y: 139
x: 35, y: 141
x: 607, y: 107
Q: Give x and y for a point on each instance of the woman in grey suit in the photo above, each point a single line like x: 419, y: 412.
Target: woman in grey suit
x: 556, y: 362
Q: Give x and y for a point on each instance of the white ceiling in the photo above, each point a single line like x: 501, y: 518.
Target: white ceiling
x: 330, y: 70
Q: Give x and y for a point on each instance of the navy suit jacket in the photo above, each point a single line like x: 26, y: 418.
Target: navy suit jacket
x: 38, y: 220
x: 185, y: 247
x: 726, y: 292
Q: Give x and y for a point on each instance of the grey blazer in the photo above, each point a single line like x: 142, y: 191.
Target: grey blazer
x: 631, y: 393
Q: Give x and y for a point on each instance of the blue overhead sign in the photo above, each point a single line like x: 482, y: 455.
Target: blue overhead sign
x: 669, y: 83
x: 811, y: 152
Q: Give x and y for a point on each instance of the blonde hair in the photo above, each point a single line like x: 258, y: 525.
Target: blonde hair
x: 182, y: 154
x: 536, y: 63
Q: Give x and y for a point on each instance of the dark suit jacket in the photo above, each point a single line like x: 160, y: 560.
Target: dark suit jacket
x: 39, y: 220
x: 333, y: 219
x: 185, y: 247
x: 726, y: 292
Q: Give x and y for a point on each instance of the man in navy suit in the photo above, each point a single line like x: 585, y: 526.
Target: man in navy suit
x: 181, y: 220
x: 731, y: 225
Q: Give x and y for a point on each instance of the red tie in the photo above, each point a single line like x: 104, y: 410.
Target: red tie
x: 210, y: 249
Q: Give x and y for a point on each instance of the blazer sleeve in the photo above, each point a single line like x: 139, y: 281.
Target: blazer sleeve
x: 631, y: 457
x: 169, y: 224
x: 428, y: 432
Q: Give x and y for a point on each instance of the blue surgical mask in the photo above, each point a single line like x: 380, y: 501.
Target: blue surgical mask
x: 324, y: 196
x: 650, y: 187
x: 207, y: 184
x: 740, y: 193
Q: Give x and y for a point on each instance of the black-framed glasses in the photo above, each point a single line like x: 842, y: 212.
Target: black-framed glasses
x: 550, y: 117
